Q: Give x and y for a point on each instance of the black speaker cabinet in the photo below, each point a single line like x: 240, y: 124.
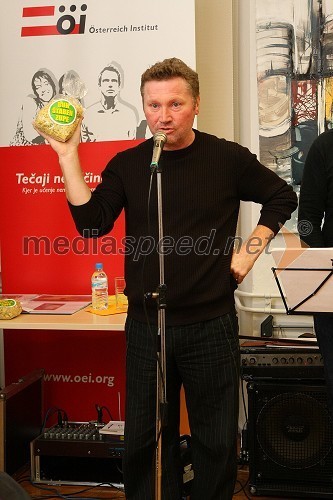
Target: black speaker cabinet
x: 21, y: 417
x: 290, y: 439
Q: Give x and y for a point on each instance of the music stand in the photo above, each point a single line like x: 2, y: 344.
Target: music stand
x: 304, y: 279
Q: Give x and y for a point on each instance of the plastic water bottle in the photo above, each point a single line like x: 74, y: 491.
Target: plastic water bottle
x: 99, y: 288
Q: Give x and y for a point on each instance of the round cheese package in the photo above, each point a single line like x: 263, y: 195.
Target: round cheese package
x: 9, y: 308
x: 60, y: 117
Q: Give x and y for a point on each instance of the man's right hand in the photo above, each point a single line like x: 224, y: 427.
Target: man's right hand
x: 64, y: 148
x: 77, y: 191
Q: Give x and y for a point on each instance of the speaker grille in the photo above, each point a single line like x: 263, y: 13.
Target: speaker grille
x: 290, y: 439
x: 294, y: 430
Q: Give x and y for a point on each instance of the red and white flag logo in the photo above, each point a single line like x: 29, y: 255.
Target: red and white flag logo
x: 68, y: 23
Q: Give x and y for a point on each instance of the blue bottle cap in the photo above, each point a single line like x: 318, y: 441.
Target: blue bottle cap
x: 99, y: 265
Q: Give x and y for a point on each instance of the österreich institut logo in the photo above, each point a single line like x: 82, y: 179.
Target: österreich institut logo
x: 65, y: 20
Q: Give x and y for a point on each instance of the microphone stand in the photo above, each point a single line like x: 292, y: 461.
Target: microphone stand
x: 160, y: 296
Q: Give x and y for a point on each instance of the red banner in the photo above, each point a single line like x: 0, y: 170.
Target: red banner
x: 82, y: 368
x: 43, y: 253
x: 39, y: 242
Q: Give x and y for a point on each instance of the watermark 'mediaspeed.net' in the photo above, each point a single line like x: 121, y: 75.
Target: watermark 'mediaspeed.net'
x: 91, y: 244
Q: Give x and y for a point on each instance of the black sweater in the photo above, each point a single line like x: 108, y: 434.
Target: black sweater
x: 316, y: 196
x: 202, y: 186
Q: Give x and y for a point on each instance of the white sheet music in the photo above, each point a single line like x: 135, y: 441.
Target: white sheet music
x: 302, y: 274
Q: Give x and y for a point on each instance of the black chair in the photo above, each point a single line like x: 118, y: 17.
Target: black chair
x: 10, y: 489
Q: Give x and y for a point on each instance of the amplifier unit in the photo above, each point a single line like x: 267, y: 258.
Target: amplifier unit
x: 281, y: 362
x: 76, y: 453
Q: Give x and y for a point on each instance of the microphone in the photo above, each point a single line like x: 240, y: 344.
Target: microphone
x: 159, y: 140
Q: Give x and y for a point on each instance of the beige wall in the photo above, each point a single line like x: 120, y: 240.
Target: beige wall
x: 216, y: 66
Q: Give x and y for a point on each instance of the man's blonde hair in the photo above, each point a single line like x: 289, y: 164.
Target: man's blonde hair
x: 172, y: 68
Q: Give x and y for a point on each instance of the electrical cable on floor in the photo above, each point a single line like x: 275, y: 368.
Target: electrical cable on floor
x: 56, y: 493
x: 242, y: 488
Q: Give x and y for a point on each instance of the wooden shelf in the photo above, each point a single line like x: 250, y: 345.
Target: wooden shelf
x: 81, y: 320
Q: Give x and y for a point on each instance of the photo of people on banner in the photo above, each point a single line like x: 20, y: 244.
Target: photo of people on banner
x: 109, y: 119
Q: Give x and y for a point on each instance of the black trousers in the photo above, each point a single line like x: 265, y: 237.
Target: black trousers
x: 204, y: 357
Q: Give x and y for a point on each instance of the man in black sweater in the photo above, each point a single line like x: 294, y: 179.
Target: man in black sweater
x: 315, y: 216
x: 204, y: 179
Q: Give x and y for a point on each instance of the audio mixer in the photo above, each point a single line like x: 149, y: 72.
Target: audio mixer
x: 77, y: 453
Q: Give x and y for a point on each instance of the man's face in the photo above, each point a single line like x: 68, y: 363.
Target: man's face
x: 109, y: 83
x: 44, y: 89
x: 169, y: 106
